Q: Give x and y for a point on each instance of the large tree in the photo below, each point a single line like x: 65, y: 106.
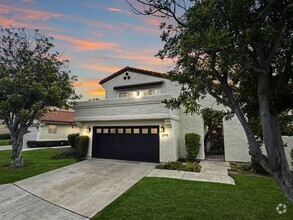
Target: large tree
x: 32, y: 78
x: 239, y: 52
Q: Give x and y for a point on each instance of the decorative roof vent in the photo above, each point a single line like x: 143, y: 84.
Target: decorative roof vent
x: 126, y: 76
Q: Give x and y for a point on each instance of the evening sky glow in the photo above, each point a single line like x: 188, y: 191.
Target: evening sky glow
x: 98, y: 37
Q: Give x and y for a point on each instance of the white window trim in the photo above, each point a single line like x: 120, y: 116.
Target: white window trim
x: 139, y: 90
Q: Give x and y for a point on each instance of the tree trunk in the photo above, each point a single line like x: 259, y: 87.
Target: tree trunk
x: 273, y: 142
x: 283, y: 175
x: 17, y: 160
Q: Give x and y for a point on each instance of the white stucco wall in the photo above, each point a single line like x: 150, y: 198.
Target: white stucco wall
x: 149, y: 110
x: 236, y: 144
x: 191, y: 124
x: 62, y: 132
x: 289, y: 141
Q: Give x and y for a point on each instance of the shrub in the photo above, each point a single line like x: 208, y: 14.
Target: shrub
x: 71, y: 139
x: 191, y: 166
x: 67, y: 153
x: 81, y: 146
x: 5, y: 136
x: 172, y: 165
x: 33, y: 144
x: 255, y: 166
x: 192, y: 145
x: 176, y: 165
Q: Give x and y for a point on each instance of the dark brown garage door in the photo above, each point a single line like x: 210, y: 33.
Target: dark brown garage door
x: 139, y: 143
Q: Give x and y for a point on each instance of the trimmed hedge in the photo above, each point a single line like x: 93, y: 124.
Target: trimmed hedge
x: 33, y: 144
x: 81, y: 146
x: 192, y: 145
x: 72, y: 138
x: 5, y: 136
x: 176, y: 165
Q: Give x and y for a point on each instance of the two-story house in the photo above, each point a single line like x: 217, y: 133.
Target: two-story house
x: 132, y: 123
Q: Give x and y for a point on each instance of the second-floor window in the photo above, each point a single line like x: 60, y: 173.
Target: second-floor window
x: 139, y: 93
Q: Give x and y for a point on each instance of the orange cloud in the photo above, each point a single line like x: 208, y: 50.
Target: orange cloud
x: 27, y: 14
x: 90, y: 88
x: 97, y: 92
x: 87, y: 44
x: 88, y: 83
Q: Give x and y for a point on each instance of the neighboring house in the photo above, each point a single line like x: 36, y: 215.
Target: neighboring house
x: 132, y: 123
x: 57, y: 125
x: 3, y: 129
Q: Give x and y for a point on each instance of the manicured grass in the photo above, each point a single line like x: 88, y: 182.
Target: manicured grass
x: 5, y: 142
x: 37, y: 162
x: 159, y: 198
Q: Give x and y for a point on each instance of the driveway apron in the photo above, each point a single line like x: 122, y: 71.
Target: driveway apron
x: 88, y: 186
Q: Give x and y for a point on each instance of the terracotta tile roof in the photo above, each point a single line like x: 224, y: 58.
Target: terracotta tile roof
x: 128, y: 68
x: 60, y: 116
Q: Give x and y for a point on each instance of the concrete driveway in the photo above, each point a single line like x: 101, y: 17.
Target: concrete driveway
x: 84, y: 188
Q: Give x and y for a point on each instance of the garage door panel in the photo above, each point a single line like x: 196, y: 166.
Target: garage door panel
x: 126, y: 143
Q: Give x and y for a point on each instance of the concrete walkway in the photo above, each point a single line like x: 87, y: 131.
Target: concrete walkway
x: 9, y: 147
x: 211, y: 171
x: 85, y: 187
x: 17, y: 204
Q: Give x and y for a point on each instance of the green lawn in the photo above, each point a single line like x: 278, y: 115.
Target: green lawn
x: 159, y: 198
x: 37, y: 162
x: 5, y: 142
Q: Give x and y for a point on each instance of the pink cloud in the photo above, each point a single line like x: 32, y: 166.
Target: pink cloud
x: 29, y: 1
x: 141, y: 28
x: 119, y: 10
x: 28, y: 14
x: 81, y: 44
x: 6, y: 22
x: 103, y: 25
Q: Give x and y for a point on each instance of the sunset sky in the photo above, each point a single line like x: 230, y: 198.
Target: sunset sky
x: 99, y: 37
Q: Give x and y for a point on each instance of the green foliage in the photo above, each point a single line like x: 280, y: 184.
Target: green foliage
x: 192, y: 145
x: 33, y: 144
x: 218, y: 46
x: 65, y: 153
x: 250, y: 199
x: 81, y: 146
x: 72, y: 138
x: 176, y: 165
x: 4, y: 142
x: 33, y: 78
x: 37, y: 162
x: 5, y: 136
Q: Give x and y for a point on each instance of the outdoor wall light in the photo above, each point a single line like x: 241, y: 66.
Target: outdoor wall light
x: 88, y: 129
x: 162, y: 129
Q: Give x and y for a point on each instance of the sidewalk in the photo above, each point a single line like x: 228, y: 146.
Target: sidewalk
x: 211, y: 171
x: 9, y: 147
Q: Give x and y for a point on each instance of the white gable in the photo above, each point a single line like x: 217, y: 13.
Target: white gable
x: 133, y: 78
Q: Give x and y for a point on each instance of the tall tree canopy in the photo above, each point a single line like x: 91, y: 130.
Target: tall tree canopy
x: 239, y: 52
x: 32, y: 78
